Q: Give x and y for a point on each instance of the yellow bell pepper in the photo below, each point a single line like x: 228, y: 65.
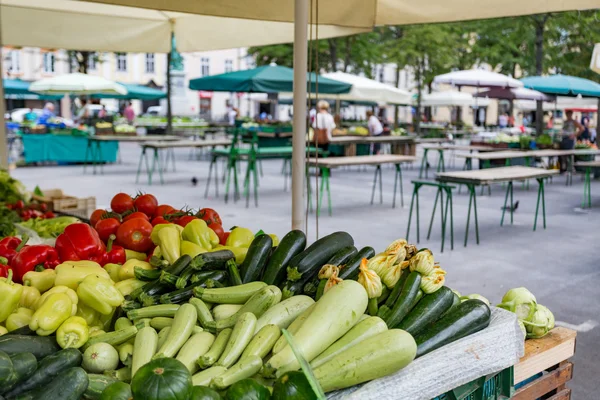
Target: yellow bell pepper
x: 60, y: 289
x: 198, y: 232
x: 90, y: 315
x: 127, y: 269
x: 159, y: 227
x: 10, y: 294
x: 42, y: 281
x: 169, y: 243
x: 238, y: 252
x: 53, y: 312
x: 214, y: 239
x: 3, y: 331
x: 191, y: 249
x: 99, y: 294
x: 134, y: 255
x: 19, y: 319
x: 71, y: 273
x: 156, y: 252
x: 113, y: 271
x: 29, y: 297
x: 73, y: 333
x: 275, y: 239
x: 129, y: 285
x: 240, y: 237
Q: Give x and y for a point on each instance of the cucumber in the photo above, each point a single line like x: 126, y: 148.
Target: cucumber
x: 179, y: 265
x: 212, y: 260
x: 406, y: 300
x: 230, y: 295
x: 204, y: 316
x: 160, y: 323
x: 256, y: 258
x: 375, y: 357
x: 306, y: 264
x: 284, y: 313
x: 162, y: 310
x: 24, y: 330
x: 69, y: 385
x: 183, y: 324
x: 223, y: 311
x: 335, y: 314
x: 469, y: 317
x: 428, y: 310
x: 292, y: 329
x: 203, y: 378
x: 23, y: 366
x: 242, y: 370
x: 242, y: 334
x: 262, y: 343
x: 39, y: 346
x: 290, y: 245
x: 162, y: 336
x: 147, y: 275
x: 216, y: 349
x: 47, y: 371
x: 368, y: 327
x: 344, y: 255
x: 96, y: 385
x: 351, y: 269
x: 258, y: 304
x: 195, y: 347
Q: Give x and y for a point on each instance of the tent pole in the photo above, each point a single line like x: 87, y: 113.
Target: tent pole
x: 169, y: 108
x: 299, y: 135
x: 3, y: 136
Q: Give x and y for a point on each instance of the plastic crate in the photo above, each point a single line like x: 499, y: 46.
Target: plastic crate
x: 498, y: 386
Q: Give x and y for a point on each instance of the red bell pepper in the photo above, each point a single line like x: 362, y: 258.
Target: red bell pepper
x: 10, y: 246
x: 114, y: 254
x: 32, y: 256
x: 3, y: 268
x: 80, y: 242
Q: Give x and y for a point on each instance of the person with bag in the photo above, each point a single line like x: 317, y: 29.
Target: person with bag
x: 323, y: 125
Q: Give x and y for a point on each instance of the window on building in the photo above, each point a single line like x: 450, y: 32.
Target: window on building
x: 381, y: 74
x: 204, y: 66
x: 149, y: 63
x: 14, y: 59
x: 48, y: 63
x: 92, y: 61
x: 228, y: 65
x: 121, y: 62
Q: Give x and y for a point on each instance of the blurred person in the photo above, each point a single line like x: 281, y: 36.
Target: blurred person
x: 503, y: 120
x: 585, y: 134
x: 102, y: 113
x: 232, y: 115
x: 572, y: 129
x: 47, y: 113
x: 323, y: 126
x: 375, y: 129
x: 129, y: 113
x: 550, y: 123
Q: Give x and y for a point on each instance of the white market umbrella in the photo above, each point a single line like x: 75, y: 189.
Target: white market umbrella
x: 478, y: 78
x: 515, y: 94
x: 365, y: 89
x: 561, y: 103
x: 448, y: 98
x: 77, y: 83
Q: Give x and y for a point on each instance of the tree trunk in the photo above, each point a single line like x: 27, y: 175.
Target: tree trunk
x: 349, y: 41
x: 419, y: 94
x: 540, y: 25
x: 333, y: 53
x: 83, y: 65
x: 396, y: 108
x: 168, y: 83
x: 429, y: 110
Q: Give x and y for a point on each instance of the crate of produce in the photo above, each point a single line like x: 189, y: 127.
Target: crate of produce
x: 491, y: 387
x: 58, y: 201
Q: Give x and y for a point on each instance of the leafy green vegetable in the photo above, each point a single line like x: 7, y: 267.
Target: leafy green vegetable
x: 49, y: 228
x: 11, y: 190
x: 8, y: 218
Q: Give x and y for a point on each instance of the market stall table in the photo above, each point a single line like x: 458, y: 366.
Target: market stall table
x: 401, y: 145
x: 441, y: 148
x: 587, y: 185
x: 63, y: 148
x: 169, y: 146
x: 497, y: 175
x: 326, y: 164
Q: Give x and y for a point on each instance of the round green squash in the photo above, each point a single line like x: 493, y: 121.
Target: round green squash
x: 117, y: 391
x: 293, y: 385
x: 162, y: 379
x: 204, y: 393
x: 247, y: 389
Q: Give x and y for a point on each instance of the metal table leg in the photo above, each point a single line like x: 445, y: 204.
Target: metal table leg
x: 541, y: 197
x: 398, y: 175
x: 423, y: 164
x: 473, y: 205
x: 142, y: 156
x: 509, y: 189
x: 415, y: 196
x: 437, y: 195
x: 377, y: 173
x: 587, y: 189
x: 324, y: 186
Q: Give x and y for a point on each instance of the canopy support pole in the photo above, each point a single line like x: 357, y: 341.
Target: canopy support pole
x: 169, y: 91
x: 3, y: 136
x: 299, y: 135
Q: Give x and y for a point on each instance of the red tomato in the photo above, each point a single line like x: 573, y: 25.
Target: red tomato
x: 135, y: 215
x: 210, y: 216
x: 159, y: 220
x: 218, y: 230
x: 43, y: 207
x: 19, y: 205
x: 186, y: 219
x: 163, y: 210
x: 121, y: 202
x: 106, y: 227
x: 96, y: 216
x: 223, y: 239
x: 135, y: 235
x: 146, y: 203
x: 49, y: 214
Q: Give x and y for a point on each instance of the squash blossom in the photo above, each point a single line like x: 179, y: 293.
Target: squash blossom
x: 391, y: 274
x: 369, y: 280
x: 431, y: 283
x: 393, y: 254
x: 332, y: 281
x: 422, y: 262
x: 411, y: 250
x: 327, y: 270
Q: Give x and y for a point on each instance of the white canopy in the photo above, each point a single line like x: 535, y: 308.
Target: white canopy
x: 77, y: 83
x: 448, y: 98
x: 366, y: 89
x: 562, y: 103
x: 477, y: 78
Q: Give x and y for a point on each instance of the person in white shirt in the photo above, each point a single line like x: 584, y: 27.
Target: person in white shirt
x: 375, y: 129
x: 323, y: 125
x: 232, y: 115
x: 503, y: 120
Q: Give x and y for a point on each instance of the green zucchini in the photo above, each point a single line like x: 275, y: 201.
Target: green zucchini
x: 223, y: 311
x: 126, y: 353
x: 204, y: 276
x: 258, y: 304
x: 292, y: 288
x: 427, y: 311
x: 230, y: 295
x: 467, y: 318
x: 212, y: 260
x: 117, y: 391
x: 244, y: 369
x: 184, y: 278
x: 256, y: 258
x: 184, y: 294
x: 16, y: 368
x: 159, y: 323
x: 204, y: 393
x: 195, y: 347
x: 47, y: 371
x: 97, y: 384
x: 306, y: 264
x: 262, y: 343
x: 148, y: 301
x: 216, y: 349
x: 179, y: 265
x: 242, y: 334
x: 121, y: 374
x: 150, y: 289
x: 344, y: 255
x: 162, y: 310
x: 292, y: 329
x: 455, y: 302
x: 284, y: 313
x: 393, y: 297
x: 148, y: 275
x: 39, y: 346
x: 290, y: 245
x: 405, y: 301
x: 115, y: 338
x: 204, y: 316
x: 350, y: 270
x: 70, y: 384
x: 234, y: 273
x: 375, y: 357
x: 293, y: 385
x: 204, y: 377
x: 183, y: 324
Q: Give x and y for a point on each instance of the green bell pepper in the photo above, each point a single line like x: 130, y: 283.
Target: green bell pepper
x: 198, y: 233
x: 99, y: 294
x: 53, y: 312
x: 240, y: 237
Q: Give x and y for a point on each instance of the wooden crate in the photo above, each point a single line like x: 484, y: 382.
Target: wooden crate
x: 58, y: 201
x: 547, y: 358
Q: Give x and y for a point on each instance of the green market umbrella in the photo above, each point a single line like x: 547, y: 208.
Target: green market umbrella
x: 134, y: 92
x: 265, y: 79
x: 18, y: 89
x: 564, y: 85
